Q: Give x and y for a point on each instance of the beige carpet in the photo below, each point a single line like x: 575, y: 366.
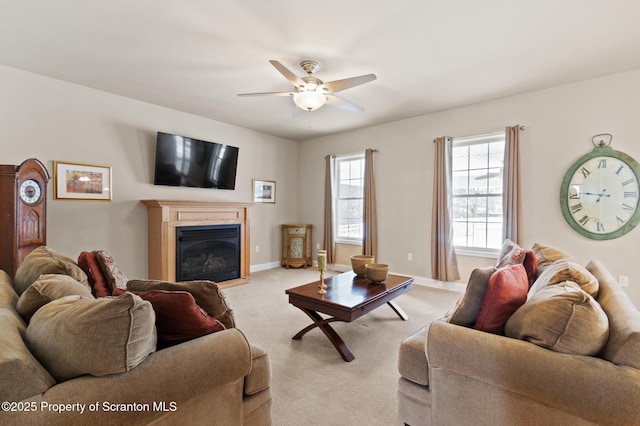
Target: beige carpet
x: 311, y: 383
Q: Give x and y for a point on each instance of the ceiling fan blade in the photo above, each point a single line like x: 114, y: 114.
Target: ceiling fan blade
x: 288, y: 74
x: 267, y: 94
x: 347, y: 83
x: 338, y: 102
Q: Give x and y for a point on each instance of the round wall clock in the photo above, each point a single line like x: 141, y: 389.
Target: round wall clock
x: 599, y: 194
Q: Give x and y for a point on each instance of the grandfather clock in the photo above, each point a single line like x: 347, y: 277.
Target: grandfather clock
x: 23, y: 213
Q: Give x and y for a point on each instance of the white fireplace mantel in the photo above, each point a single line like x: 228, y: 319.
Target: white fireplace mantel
x: 164, y: 216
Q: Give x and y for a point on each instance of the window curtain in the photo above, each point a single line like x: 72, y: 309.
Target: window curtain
x: 512, y: 192
x: 444, y: 265
x: 370, y: 237
x: 327, y: 241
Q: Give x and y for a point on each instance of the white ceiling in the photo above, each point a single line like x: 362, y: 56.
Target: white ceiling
x: 429, y: 55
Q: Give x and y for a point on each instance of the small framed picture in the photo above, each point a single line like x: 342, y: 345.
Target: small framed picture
x: 79, y: 181
x: 264, y: 191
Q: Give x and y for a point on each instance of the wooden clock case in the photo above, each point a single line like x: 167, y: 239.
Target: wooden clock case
x: 23, y: 225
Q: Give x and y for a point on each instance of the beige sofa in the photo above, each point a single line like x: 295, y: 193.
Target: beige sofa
x: 455, y: 375
x: 217, y: 379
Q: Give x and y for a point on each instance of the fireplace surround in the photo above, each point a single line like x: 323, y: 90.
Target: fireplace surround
x: 168, y: 218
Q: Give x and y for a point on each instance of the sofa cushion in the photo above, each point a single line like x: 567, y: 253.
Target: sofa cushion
x: 412, y: 358
x: 73, y: 336
x: 207, y: 294
x: 565, y: 270
x: 178, y: 317
x: 506, y: 292
x: 114, y: 276
x: 88, y: 261
x: 259, y: 378
x: 46, y: 288
x: 22, y: 375
x: 44, y: 260
x: 466, y: 310
x: 563, y: 318
x: 623, y: 345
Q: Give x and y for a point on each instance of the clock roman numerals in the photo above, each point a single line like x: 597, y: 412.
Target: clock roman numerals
x: 584, y: 172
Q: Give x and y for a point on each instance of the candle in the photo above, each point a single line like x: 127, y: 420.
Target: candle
x: 322, y: 260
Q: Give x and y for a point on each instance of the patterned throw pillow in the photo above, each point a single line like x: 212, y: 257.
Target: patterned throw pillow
x: 115, y: 277
x: 511, y: 254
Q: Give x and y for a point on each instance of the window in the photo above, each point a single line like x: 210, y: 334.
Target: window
x: 349, y: 190
x: 477, y: 170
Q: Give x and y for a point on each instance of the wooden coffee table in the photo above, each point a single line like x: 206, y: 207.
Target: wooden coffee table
x: 348, y: 298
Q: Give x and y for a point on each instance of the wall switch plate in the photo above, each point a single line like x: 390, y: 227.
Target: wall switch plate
x: 623, y: 280
x: 257, y: 249
x: 409, y: 256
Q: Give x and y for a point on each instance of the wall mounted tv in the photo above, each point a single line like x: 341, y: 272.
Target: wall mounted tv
x: 183, y: 161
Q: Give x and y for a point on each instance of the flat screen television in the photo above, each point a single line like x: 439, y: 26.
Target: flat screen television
x: 184, y: 161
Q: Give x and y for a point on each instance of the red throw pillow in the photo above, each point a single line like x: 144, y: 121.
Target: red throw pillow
x: 89, y: 264
x: 506, y: 292
x: 531, y: 266
x: 178, y: 317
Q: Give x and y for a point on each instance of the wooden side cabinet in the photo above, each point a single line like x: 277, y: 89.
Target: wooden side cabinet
x: 296, y: 246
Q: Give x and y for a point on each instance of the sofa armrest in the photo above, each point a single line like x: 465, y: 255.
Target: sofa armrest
x: 176, y: 376
x: 587, y: 387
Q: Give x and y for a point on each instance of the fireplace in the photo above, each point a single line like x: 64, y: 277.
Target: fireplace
x: 208, y: 252
x: 167, y: 216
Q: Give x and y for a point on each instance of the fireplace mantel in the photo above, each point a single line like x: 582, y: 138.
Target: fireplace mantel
x: 167, y: 215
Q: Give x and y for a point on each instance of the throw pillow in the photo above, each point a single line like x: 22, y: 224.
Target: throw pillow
x: 510, y: 254
x: 531, y: 266
x: 466, y: 310
x: 89, y: 264
x: 73, y: 336
x: 46, y: 288
x: 113, y: 274
x: 178, y: 317
x: 566, y: 270
x: 561, y: 317
x: 506, y: 292
x: 546, y: 255
x: 207, y: 294
x: 44, y: 260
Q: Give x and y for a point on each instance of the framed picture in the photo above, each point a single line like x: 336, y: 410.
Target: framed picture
x: 79, y: 181
x: 264, y: 191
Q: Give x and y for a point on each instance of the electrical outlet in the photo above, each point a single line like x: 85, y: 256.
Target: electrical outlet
x: 409, y: 256
x: 257, y: 249
x: 317, y: 246
x: 623, y: 280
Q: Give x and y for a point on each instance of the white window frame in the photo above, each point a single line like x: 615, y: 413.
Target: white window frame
x: 477, y: 251
x: 336, y: 198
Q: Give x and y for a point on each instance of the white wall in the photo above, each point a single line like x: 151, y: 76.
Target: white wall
x: 560, y: 123
x: 53, y: 120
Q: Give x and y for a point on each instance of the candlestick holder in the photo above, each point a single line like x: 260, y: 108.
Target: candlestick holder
x: 322, y: 287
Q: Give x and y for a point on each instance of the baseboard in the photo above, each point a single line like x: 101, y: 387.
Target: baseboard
x: 264, y: 266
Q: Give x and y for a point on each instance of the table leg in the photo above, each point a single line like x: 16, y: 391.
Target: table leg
x: 398, y: 311
x: 323, y: 324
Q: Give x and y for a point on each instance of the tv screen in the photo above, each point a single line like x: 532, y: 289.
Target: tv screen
x: 183, y: 161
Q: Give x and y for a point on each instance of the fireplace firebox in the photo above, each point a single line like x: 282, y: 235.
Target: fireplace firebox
x: 210, y: 252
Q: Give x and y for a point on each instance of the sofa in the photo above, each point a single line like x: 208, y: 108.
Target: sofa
x: 68, y: 357
x: 562, y: 357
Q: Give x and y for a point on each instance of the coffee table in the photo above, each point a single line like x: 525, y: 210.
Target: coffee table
x: 348, y: 297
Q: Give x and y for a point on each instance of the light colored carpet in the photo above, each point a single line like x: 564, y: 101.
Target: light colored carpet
x: 311, y: 384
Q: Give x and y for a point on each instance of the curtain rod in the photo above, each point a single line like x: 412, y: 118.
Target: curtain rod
x: 480, y: 135
x: 353, y: 153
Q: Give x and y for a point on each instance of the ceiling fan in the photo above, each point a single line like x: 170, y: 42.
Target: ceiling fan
x: 311, y: 93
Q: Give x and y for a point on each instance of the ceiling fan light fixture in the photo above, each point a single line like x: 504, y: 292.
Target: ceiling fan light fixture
x: 309, y: 101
